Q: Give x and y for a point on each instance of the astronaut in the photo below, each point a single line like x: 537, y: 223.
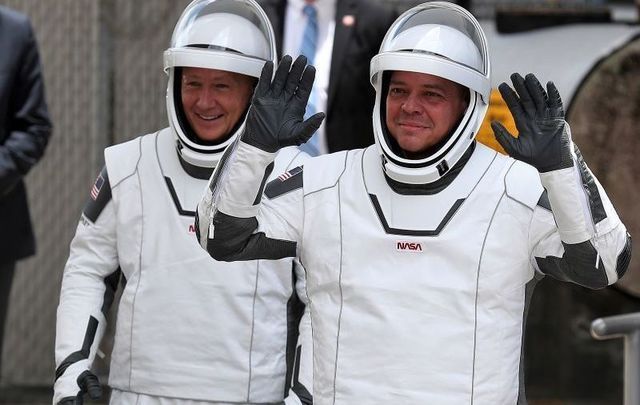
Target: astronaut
x: 189, y: 329
x: 419, y: 250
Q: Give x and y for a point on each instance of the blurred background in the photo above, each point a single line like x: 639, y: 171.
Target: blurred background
x: 103, y: 73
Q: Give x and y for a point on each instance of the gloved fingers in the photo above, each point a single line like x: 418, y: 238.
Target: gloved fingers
x: 309, y: 126
x: 282, y: 73
x: 88, y: 383
x: 537, y: 92
x: 294, y: 76
x: 523, y: 93
x: 94, y: 389
x: 305, y: 85
x: 513, y: 103
x: 504, y: 138
x: 555, y: 101
x: 265, y: 80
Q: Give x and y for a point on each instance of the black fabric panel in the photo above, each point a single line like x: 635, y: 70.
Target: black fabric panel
x: 99, y: 196
x: 295, y: 310
x: 411, y: 232
x: 289, y: 181
x: 234, y: 240
x: 544, y: 201
x: 300, y: 390
x: 624, y: 258
x: 196, y: 225
x: 267, y: 173
x: 529, y: 288
x: 83, y: 353
x: 176, y: 201
x: 577, y: 265
x: 111, y: 285
x: 198, y: 172
x: 595, y: 202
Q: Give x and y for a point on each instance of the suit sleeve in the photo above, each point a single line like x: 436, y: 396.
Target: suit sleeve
x: 234, y: 223
x: 89, y: 282
x: 28, y: 121
x: 577, y: 235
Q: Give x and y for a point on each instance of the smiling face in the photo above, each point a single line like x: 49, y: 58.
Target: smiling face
x: 214, y: 100
x: 422, y: 110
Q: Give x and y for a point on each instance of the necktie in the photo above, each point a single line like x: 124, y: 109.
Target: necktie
x: 308, y: 49
x: 310, y: 35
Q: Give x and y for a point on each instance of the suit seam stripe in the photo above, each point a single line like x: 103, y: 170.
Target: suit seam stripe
x: 335, y: 370
x: 135, y: 171
x: 344, y: 168
x: 253, y: 326
x: 475, y: 315
x: 135, y: 295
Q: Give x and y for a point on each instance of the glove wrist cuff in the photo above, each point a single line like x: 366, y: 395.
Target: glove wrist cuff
x: 564, y: 158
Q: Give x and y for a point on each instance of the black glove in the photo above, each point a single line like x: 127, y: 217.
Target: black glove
x: 543, y: 139
x: 275, y: 118
x: 88, y: 384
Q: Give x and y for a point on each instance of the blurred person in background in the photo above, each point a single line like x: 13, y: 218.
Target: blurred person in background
x: 421, y: 251
x: 189, y: 330
x: 25, y: 129
x: 338, y: 37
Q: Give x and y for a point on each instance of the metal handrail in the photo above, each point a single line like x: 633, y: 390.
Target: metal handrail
x: 628, y: 327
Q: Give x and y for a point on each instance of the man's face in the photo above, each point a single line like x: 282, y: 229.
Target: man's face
x: 422, y: 109
x: 214, y: 100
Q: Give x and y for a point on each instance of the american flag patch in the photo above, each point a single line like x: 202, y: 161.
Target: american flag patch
x: 95, y: 190
x: 284, y: 176
x: 288, y: 181
x: 287, y: 175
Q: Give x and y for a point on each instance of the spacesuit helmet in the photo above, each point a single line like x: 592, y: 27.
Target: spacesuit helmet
x: 229, y: 35
x: 440, y: 39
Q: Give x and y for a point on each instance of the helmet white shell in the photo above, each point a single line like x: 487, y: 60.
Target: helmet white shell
x: 230, y: 35
x: 445, y: 40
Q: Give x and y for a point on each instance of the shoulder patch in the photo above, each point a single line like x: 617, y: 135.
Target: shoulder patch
x: 99, y: 196
x: 522, y: 183
x: 286, y: 182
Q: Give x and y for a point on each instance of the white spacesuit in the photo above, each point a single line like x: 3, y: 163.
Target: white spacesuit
x: 417, y: 268
x: 189, y: 330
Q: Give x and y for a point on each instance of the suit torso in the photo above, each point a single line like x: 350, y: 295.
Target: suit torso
x: 189, y: 326
x: 415, y: 299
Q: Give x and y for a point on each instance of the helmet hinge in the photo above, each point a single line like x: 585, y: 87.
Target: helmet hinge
x: 442, y: 167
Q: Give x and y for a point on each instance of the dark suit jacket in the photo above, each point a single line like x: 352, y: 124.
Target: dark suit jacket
x: 24, y: 130
x: 350, y: 95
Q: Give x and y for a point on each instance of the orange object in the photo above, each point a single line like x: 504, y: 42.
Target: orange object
x: 498, y: 111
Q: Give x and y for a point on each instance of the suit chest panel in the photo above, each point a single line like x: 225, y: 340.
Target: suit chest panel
x: 440, y: 240
x: 156, y: 231
x: 418, y: 279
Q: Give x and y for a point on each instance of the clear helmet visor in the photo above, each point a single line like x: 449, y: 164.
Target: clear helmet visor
x: 443, y: 15
x: 437, y: 38
x: 440, y: 39
x: 228, y: 35
x: 232, y: 35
